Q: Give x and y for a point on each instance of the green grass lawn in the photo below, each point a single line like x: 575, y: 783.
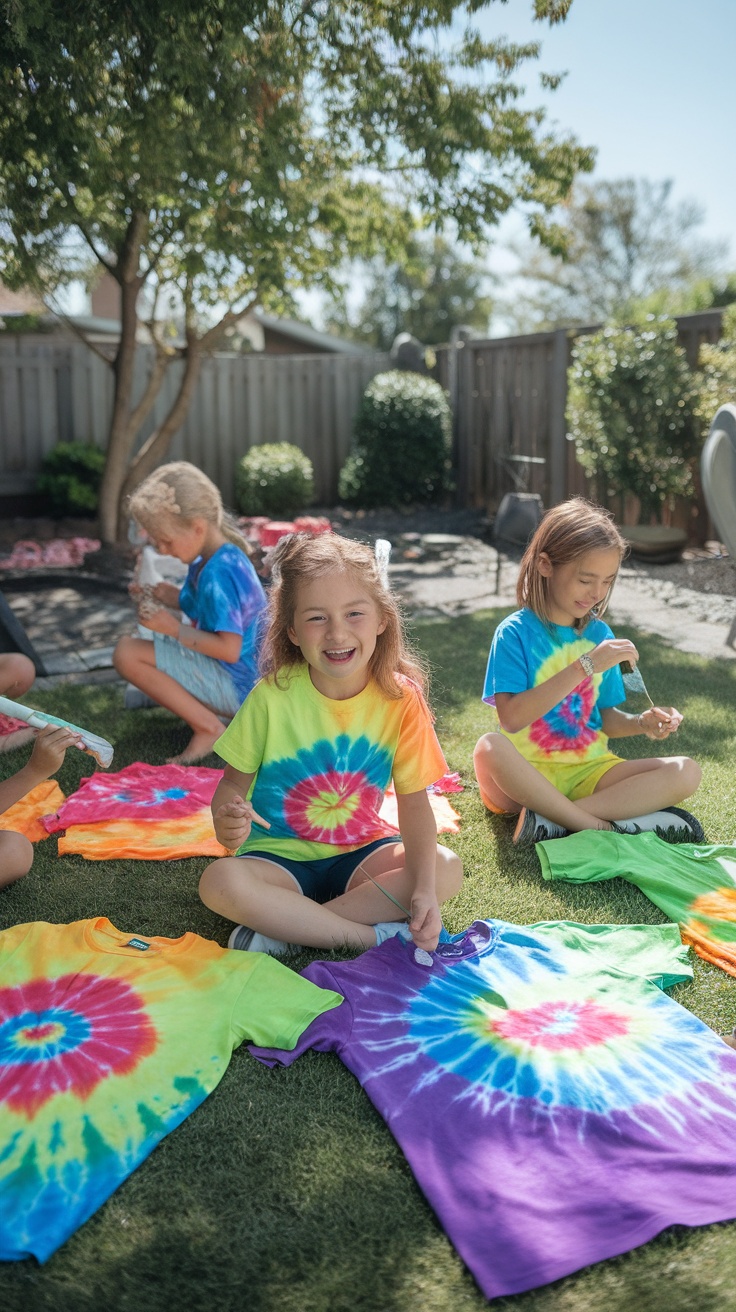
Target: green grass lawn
x: 285, y: 1192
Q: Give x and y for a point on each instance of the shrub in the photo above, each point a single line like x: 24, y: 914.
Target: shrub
x: 630, y: 412
x: 716, y: 379
x: 402, y: 443
x: 274, y: 479
x: 70, y: 477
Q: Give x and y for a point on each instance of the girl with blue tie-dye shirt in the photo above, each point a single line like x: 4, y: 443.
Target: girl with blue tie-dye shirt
x: 553, y: 676
x: 204, y: 670
x: 339, y: 713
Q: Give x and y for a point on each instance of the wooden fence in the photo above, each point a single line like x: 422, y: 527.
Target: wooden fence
x: 53, y: 389
x: 509, y: 396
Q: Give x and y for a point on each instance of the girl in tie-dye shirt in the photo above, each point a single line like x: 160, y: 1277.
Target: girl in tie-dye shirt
x: 553, y: 676
x: 201, y: 671
x: 339, y: 712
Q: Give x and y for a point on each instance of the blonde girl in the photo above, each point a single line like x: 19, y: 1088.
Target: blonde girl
x: 201, y: 672
x: 553, y: 676
x: 339, y: 712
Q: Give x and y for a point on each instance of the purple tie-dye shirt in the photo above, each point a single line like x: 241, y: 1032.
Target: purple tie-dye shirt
x: 556, y: 1107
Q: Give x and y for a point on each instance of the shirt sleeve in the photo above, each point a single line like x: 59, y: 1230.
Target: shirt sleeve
x: 587, y: 857
x: 243, y: 741
x: 418, y: 760
x: 230, y: 594
x: 276, y: 1006
x: 652, y: 952
x: 328, y: 1031
x: 508, y: 664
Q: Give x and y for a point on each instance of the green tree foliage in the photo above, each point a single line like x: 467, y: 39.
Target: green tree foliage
x: 227, y: 153
x: 402, y: 443
x: 429, y: 291
x: 630, y: 250
x: 274, y: 479
x: 716, y: 377
x: 630, y: 412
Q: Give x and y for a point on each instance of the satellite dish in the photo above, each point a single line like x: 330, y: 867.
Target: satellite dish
x: 718, y: 474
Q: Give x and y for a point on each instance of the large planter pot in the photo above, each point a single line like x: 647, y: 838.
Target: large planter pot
x: 654, y: 542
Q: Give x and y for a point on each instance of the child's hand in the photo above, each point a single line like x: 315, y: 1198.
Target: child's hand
x: 611, y: 652
x: 159, y: 620
x: 659, y: 722
x: 49, y: 749
x: 233, y: 822
x: 426, y: 921
x: 167, y: 594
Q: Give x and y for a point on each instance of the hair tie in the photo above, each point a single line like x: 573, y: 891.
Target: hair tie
x: 383, y: 555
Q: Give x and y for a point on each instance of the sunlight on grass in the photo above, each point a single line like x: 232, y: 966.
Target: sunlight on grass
x: 285, y: 1192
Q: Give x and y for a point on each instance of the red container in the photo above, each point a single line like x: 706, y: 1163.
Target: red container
x: 314, y: 524
x: 274, y: 530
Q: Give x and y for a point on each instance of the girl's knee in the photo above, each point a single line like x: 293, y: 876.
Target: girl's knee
x: 121, y: 655
x: 449, y: 871
x: 691, y: 775
x: 17, y: 673
x: 16, y: 856
x: 211, y: 881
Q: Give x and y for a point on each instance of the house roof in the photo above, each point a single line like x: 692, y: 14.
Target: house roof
x: 307, y: 336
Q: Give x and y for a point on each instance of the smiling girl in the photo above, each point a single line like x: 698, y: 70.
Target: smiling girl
x: 339, y: 713
x: 553, y: 676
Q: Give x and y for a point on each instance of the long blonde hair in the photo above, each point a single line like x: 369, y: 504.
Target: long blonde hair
x: 181, y: 492
x: 566, y: 532
x: 299, y: 557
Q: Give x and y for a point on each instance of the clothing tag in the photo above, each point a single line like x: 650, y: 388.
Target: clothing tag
x: 137, y: 943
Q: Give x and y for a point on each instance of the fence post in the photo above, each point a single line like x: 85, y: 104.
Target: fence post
x: 557, y: 426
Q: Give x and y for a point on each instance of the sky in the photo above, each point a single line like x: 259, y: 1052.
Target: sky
x: 648, y: 85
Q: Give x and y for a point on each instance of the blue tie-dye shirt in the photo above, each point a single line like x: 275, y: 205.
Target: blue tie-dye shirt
x: 526, y: 652
x: 224, y: 595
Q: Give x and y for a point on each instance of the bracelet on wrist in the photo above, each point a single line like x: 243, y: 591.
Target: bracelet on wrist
x: 586, y: 664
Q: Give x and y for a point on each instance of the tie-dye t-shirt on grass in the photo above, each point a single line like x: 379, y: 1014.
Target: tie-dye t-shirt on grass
x: 555, y: 1106
x: 694, y: 885
x: 322, y: 766
x: 526, y: 652
x: 28, y: 815
x: 224, y: 595
x: 107, y: 1042
x: 139, y: 792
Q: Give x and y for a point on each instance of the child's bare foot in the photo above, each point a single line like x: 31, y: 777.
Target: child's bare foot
x: 199, y: 746
x: 730, y: 1039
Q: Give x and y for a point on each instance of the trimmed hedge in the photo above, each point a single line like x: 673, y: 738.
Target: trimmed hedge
x: 402, y: 450
x: 274, y: 479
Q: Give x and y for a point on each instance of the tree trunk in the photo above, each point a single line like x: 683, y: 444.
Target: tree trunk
x: 156, y: 446
x: 120, y: 437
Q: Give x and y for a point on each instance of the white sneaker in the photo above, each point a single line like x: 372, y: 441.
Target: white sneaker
x: 671, y: 823
x: 243, y: 939
x: 534, y: 828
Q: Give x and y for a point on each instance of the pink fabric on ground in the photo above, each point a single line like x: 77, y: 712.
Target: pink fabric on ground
x: 139, y: 792
x: 446, y: 817
x: 9, y: 724
x: 28, y: 554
